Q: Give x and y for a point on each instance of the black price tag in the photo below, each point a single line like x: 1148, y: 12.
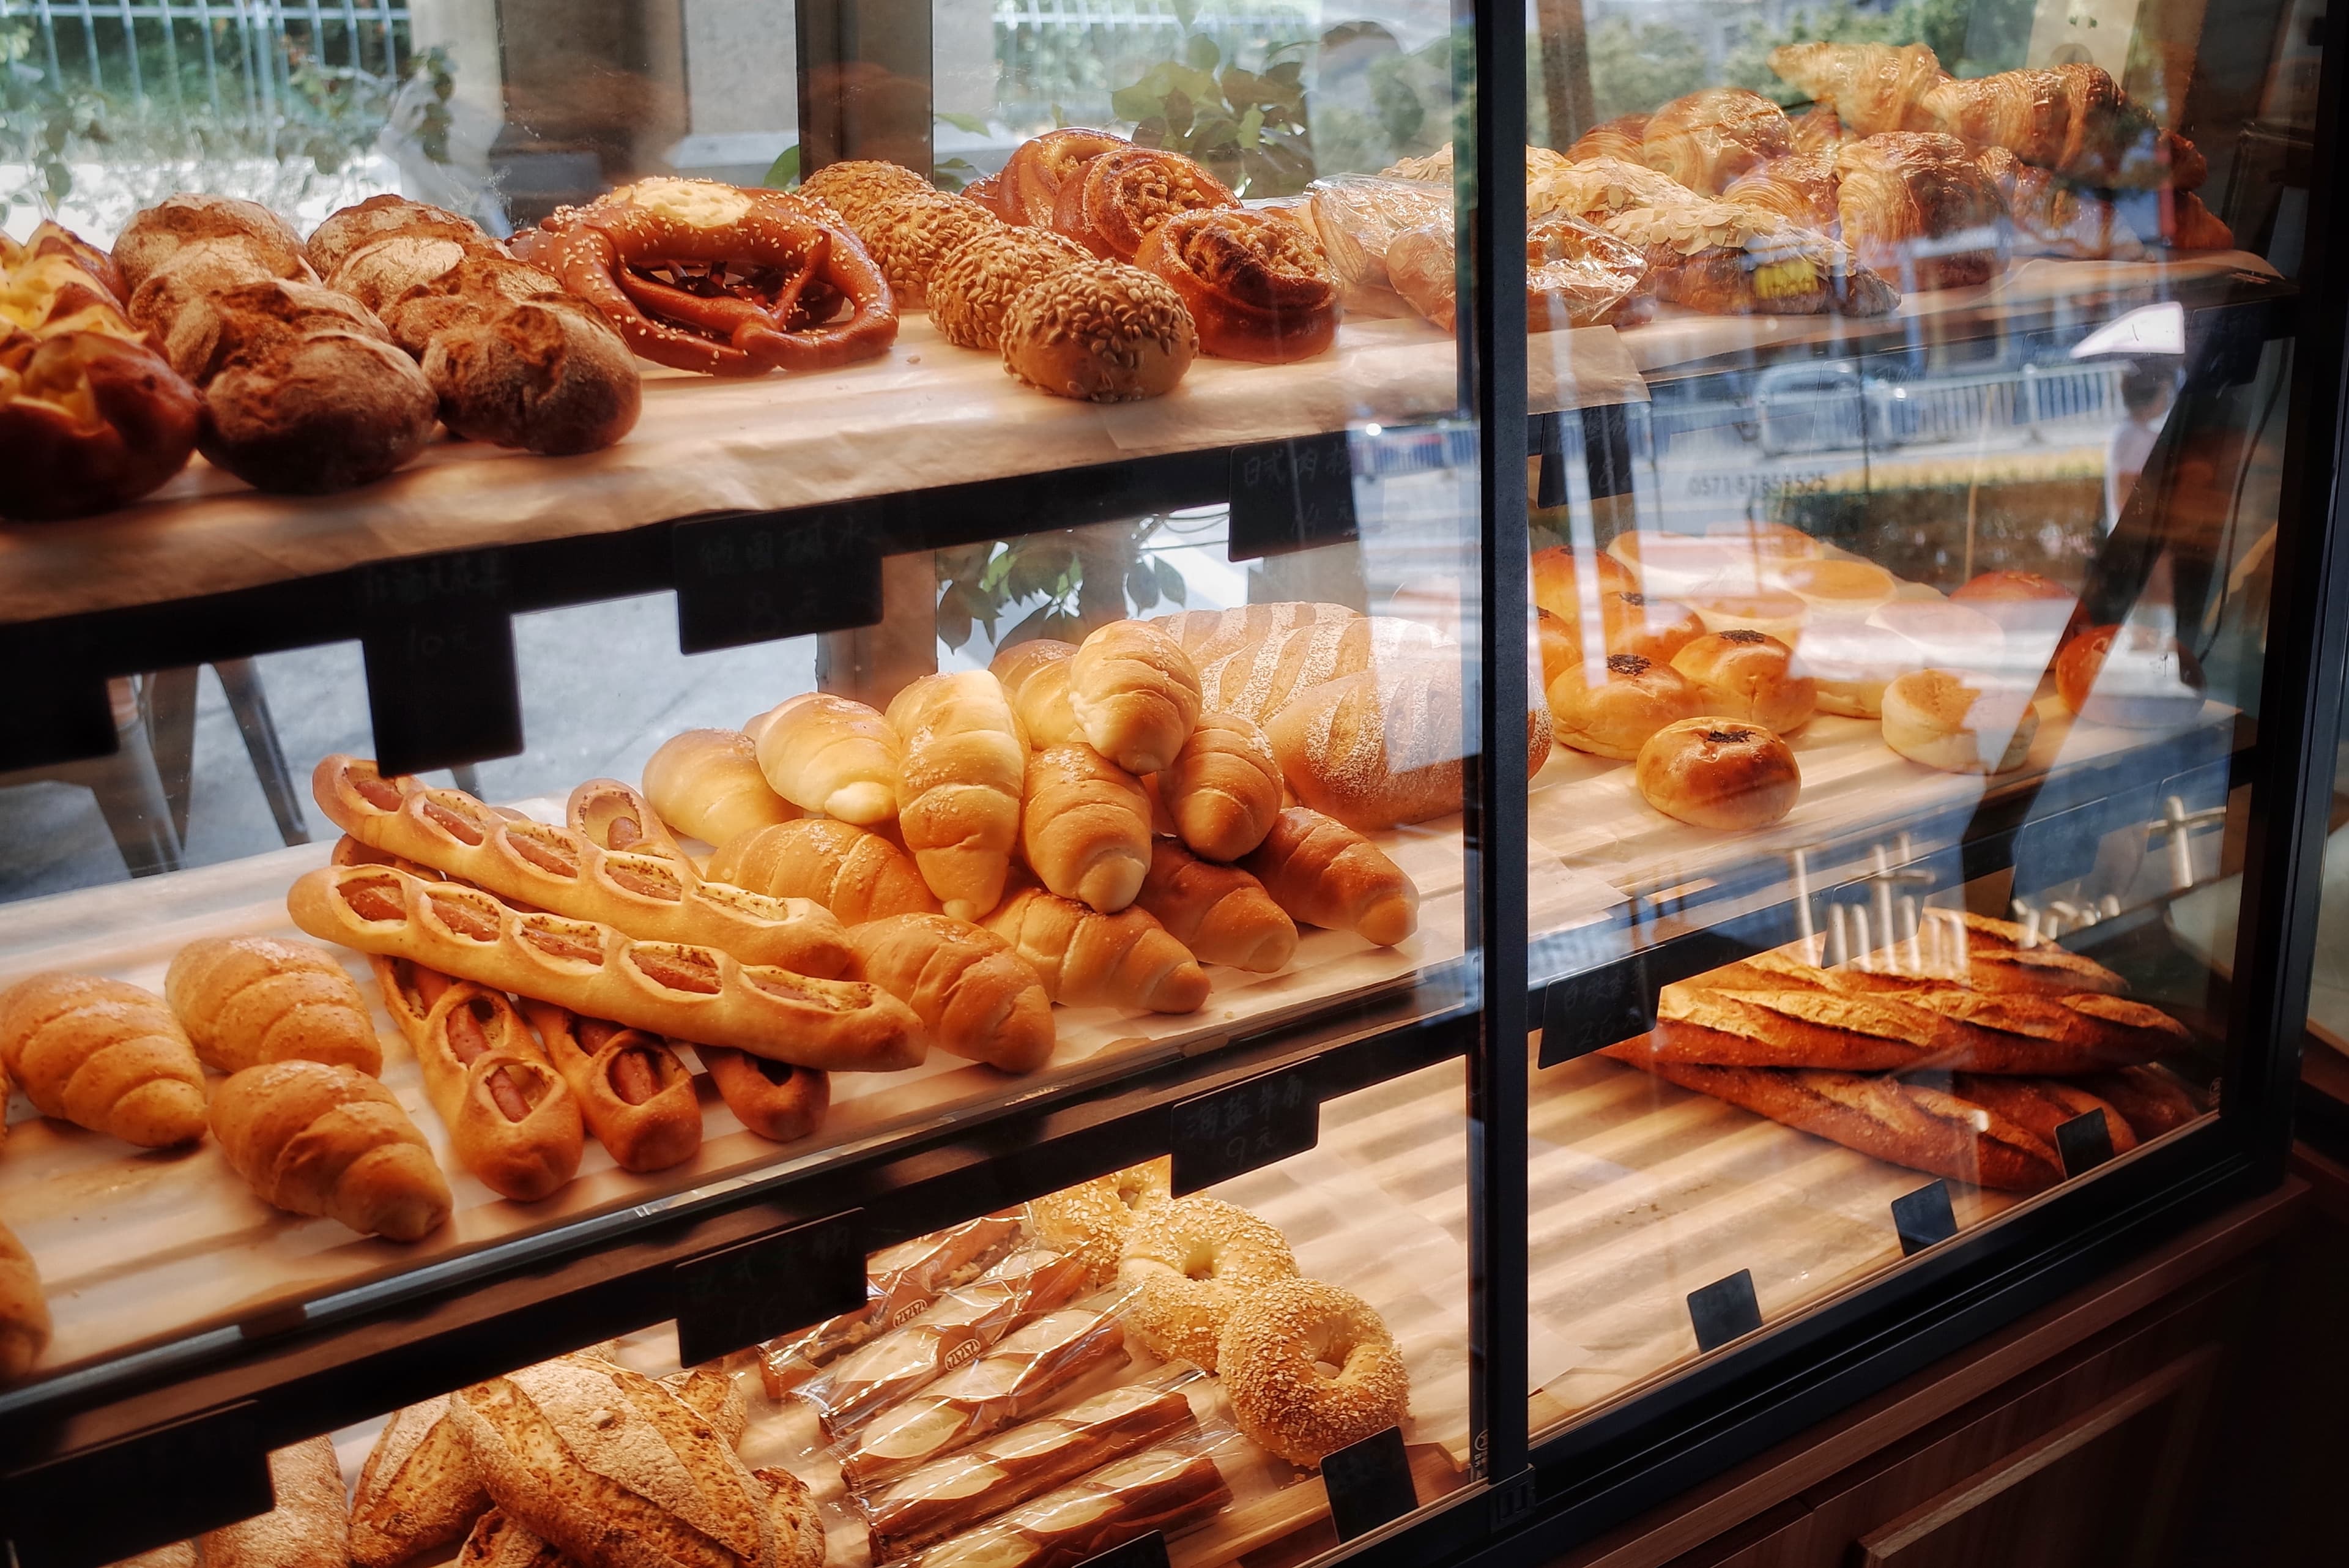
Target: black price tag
x: 1291, y: 495
x: 55, y: 716
x: 769, y: 1286
x: 1600, y: 1007
x: 438, y: 640
x: 1143, y: 1552
x: 1924, y: 1218
x: 753, y: 579
x: 1370, y: 1483
x: 1222, y: 1134
x: 2086, y: 1142
x: 141, y: 1493
x: 1724, y: 1310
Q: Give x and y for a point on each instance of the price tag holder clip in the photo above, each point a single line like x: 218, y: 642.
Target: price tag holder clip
x: 1724, y: 1310
x: 742, y: 580
x: 1924, y: 1218
x: 2086, y: 1142
x: 1291, y: 495
x: 436, y: 637
x: 1370, y: 1483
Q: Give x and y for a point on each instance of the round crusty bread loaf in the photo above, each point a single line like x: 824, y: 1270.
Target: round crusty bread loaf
x: 1957, y: 723
x: 331, y: 411
x: 201, y: 272
x: 159, y: 233
x: 1711, y: 771
x: 213, y: 327
x: 347, y: 228
x: 548, y: 375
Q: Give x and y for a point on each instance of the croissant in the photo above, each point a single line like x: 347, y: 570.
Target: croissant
x: 1616, y: 137
x: 2051, y: 218
x: 1799, y: 188
x: 1223, y: 788
x: 102, y: 1054
x: 1869, y: 87
x: 249, y: 1000
x: 1084, y: 828
x: 1035, y: 675
x: 859, y: 876
x: 965, y: 769
x: 2073, y: 119
x: 706, y: 783
x: 1135, y: 694
x: 1325, y: 874
x: 23, y: 1309
x: 1819, y: 128
x: 1910, y: 200
x: 831, y: 754
x: 975, y: 996
x: 1088, y: 960
x: 1730, y: 260
x: 1219, y: 912
x: 314, y: 1140
x: 1710, y: 137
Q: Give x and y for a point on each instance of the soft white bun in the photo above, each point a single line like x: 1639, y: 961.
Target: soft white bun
x: 1836, y: 587
x: 1852, y: 661
x: 1610, y: 708
x: 1711, y: 772
x: 1674, y: 566
x: 1749, y: 675
x: 1774, y: 612
x: 1958, y: 724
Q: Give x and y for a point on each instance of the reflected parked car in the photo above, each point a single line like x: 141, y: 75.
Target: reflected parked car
x: 1825, y: 405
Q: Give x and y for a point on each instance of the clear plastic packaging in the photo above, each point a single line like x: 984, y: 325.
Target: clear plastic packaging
x: 901, y: 1282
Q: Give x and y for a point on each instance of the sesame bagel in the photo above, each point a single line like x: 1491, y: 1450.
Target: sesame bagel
x: 1191, y: 1264
x: 1090, y: 1221
x: 1273, y: 1350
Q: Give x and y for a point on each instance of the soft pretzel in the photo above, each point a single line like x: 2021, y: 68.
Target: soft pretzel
x: 769, y: 271
x: 554, y: 869
x: 692, y: 994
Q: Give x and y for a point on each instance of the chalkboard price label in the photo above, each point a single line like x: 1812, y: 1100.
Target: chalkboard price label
x: 141, y: 1493
x: 1923, y: 1218
x: 1143, y: 1552
x: 769, y: 1286
x: 438, y: 642
x: 1724, y: 1310
x: 1291, y: 495
x: 2086, y: 1142
x: 1370, y: 1483
x: 743, y: 580
x: 1229, y: 1131
x: 1583, y: 1013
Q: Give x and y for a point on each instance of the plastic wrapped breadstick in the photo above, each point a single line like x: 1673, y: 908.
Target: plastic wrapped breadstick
x: 900, y: 1283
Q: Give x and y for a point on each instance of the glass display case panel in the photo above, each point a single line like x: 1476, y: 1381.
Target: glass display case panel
x: 1010, y: 1391
x: 1902, y: 643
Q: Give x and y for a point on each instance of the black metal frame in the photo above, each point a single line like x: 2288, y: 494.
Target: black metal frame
x: 68, y: 1451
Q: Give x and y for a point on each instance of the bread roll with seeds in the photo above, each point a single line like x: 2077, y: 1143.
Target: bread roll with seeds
x: 911, y: 233
x: 854, y: 186
x: 1222, y: 789
x: 1099, y: 332
x: 975, y: 285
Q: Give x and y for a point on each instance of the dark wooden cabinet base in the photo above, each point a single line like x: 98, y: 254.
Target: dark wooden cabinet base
x: 2181, y: 1411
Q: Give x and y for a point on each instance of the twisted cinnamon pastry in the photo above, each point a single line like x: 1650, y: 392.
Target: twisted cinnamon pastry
x: 1029, y: 185
x: 1122, y: 195
x: 1258, y: 287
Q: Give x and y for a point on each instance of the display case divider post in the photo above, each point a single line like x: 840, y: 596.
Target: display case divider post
x: 2302, y: 679
x: 1489, y: 135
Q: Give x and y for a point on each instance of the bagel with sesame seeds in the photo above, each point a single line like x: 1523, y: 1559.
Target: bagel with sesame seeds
x: 1189, y: 1264
x: 1275, y: 1353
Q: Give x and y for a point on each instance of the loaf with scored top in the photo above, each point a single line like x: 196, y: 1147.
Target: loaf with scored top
x: 307, y: 1528
x: 686, y: 993
x: 1210, y: 635
x: 417, y: 1489
x: 1384, y: 747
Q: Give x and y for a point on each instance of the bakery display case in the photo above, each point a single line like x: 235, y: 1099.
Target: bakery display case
x: 964, y: 798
